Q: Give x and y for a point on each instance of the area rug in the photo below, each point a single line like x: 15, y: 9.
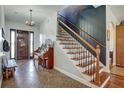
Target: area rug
x: 117, y: 71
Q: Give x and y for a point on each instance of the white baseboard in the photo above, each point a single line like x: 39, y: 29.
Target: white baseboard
x: 81, y: 80
x: 0, y: 82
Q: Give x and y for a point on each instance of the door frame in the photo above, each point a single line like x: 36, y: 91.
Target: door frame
x: 16, y: 42
x: 27, y: 45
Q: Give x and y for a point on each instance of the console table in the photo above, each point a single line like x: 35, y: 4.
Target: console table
x: 10, y: 66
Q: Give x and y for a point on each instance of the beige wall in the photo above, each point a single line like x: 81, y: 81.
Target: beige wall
x: 111, y: 22
x: 48, y: 27
x: 2, y: 25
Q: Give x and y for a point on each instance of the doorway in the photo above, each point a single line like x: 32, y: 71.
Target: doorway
x: 118, y: 68
x: 21, y: 44
x: 120, y: 45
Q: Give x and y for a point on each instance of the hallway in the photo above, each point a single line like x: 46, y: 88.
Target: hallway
x: 27, y: 76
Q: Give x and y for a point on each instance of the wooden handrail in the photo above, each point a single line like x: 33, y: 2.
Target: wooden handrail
x: 83, y: 40
x: 96, y: 50
x: 89, y: 36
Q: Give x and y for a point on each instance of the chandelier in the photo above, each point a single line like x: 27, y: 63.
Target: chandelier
x: 30, y: 22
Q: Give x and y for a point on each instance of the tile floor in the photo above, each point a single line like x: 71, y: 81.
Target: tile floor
x: 28, y: 76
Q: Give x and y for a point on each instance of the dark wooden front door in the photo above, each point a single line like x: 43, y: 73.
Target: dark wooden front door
x: 22, y: 45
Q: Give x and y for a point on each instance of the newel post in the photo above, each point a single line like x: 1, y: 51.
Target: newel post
x: 97, y: 64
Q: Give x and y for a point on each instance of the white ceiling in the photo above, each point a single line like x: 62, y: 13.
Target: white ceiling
x: 20, y: 13
x: 118, y: 11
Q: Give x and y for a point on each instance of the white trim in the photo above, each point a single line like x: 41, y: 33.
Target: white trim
x: 105, y: 82
x: 1, y: 82
x: 81, y: 80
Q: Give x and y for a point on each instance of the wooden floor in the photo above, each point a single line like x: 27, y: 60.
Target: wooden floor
x: 115, y: 81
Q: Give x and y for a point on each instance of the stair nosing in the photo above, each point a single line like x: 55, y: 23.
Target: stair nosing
x: 101, y: 68
x: 93, y: 62
x: 81, y: 52
x: 81, y: 57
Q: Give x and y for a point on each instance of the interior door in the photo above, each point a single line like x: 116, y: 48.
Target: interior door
x: 22, y: 45
x: 120, y: 45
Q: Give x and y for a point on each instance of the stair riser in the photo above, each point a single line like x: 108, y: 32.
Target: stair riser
x: 72, y: 45
x: 85, y: 63
x: 75, y: 50
x: 84, y: 60
x: 87, y: 67
x: 64, y: 34
x: 81, y: 57
x: 74, y: 53
x: 62, y: 30
x: 88, y: 78
x: 68, y: 44
x: 64, y: 38
x: 65, y: 41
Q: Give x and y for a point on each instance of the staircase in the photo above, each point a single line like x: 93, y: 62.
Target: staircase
x: 84, y: 60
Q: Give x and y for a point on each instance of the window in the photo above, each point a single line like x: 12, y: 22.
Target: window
x: 41, y: 39
x: 0, y: 35
x: 31, y: 44
x: 12, y: 43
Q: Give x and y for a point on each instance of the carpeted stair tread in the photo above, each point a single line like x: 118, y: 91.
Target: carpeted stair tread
x: 91, y: 71
x: 80, y: 52
x: 85, y: 64
x: 80, y: 58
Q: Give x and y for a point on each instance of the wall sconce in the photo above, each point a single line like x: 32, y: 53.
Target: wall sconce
x: 108, y: 35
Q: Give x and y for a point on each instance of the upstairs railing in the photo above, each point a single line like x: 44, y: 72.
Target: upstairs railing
x: 95, y: 50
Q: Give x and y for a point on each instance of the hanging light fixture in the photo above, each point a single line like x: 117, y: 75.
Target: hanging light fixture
x: 30, y: 22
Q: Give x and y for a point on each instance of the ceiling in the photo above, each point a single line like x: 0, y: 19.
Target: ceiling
x: 118, y: 11
x: 20, y: 13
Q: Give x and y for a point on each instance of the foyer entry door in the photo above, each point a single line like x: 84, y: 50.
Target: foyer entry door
x: 22, y: 45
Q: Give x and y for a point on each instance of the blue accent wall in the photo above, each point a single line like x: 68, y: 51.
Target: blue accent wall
x: 91, y: 20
